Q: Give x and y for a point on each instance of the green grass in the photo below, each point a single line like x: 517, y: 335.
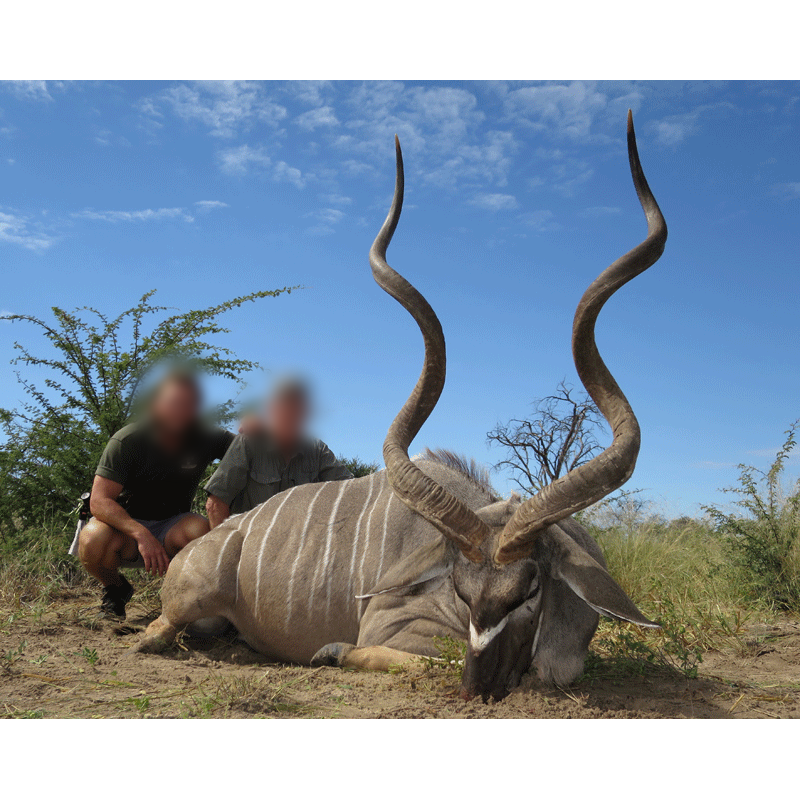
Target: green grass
x: 678, y: 574
x: 36, y: 571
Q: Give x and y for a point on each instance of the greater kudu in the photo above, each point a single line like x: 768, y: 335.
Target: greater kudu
x: 365, y: 573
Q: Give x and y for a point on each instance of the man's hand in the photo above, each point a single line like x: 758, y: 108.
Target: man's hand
x: 155, y: 556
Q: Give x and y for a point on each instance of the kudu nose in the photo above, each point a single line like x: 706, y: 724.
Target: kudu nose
x: 483, y: 675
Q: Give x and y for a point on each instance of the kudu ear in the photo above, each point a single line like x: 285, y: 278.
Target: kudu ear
x: 592, y: 583
x: 421, y: 572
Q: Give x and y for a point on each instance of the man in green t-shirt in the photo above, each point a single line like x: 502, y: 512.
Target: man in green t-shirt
x: 143, y: 489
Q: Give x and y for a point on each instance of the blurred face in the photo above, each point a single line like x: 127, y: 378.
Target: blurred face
x: 175, y: 408
x: 286, y: 418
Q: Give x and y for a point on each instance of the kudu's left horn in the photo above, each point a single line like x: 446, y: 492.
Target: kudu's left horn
x: 606, y: 472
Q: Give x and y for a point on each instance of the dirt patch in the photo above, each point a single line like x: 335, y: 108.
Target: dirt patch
x: 59, y: 661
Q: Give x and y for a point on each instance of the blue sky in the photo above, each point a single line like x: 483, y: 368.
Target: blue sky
x: 517, y: 195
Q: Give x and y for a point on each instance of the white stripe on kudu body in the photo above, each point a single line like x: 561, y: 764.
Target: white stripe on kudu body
x: 366, y: 541
x: 223, y: 548
x: 385, y: 533
x: 357, y: 536
x: 264, y: 544
x: 325, y: 567
x: 307, y: 522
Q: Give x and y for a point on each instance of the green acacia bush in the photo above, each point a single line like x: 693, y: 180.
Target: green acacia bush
x: 762, y: 535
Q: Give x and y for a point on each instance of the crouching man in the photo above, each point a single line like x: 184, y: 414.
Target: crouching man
x: 277, y: 455
x: 143, y: 490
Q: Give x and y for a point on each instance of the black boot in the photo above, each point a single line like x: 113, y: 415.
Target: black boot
x: 115, y: 597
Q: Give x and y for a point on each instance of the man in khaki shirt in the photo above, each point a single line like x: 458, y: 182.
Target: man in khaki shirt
x: 259, y: 466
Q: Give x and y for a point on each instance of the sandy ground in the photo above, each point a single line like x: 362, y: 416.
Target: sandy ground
x: 59, y: 661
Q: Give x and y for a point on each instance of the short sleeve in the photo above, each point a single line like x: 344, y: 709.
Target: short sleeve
x: 230, y: 477
x: 221, y: 440
x: 115, y: 463
x: 330, y: 468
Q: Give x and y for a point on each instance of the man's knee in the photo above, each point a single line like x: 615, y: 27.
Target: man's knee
x: 96, y: 540
x: 187, y: 530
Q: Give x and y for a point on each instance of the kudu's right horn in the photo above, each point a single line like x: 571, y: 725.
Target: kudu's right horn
x: 418, y: 491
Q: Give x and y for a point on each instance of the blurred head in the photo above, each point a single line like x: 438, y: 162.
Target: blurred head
x: 176, y: 401
x: 287, y: 412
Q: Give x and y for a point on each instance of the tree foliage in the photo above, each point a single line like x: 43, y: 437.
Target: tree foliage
x: 358, y: 467
x: 94, y: 370
x: 559, y: 436
x: 763, y: 533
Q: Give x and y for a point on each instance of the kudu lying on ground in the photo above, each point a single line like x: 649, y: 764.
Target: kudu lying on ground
x: 365, y: 573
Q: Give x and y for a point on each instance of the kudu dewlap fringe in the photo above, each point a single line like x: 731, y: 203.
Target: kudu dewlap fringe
x: 613, y: 467
x: 419, y: 492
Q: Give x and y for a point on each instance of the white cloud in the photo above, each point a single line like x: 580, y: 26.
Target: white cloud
x: 145, y: 215
x: 495, y: 202
x: 28, y: 90
x: 485, y: 162
x: 790, y: 191
x: 312, y: 93
x: 328, y: 215
x: 561, y: 110
x: 440, y: 129
x: 323, y: 117
x: 208, y: 205
x: 540, y: 221
x: 15, y: 229
x: 224, y: 107
x: 283, y: 172
x: 600, y: 211
x: 674, y: 129
x: 335, y: 199
x: 326, y: 218
x: 238, y: 160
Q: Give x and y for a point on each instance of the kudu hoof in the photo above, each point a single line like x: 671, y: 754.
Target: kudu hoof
x: 331, y: 655
x: 151, y: 646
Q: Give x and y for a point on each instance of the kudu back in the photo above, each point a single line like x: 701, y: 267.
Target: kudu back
x: 365, y: 573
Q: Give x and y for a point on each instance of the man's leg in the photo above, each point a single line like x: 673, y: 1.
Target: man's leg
x: 102, y: 549
x: 185, y: 530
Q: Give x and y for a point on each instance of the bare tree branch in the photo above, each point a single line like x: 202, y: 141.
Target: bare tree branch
x: 559, y: 436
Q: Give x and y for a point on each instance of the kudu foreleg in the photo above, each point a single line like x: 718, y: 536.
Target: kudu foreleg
x: 347, y: 656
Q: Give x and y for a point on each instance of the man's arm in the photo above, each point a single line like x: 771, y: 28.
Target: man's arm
x: 330, y: 468
x: 104, y: 506
x: 218, y: 511
x: 229, y: 479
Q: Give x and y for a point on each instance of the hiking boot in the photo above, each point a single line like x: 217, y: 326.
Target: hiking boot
x: 115, y: 597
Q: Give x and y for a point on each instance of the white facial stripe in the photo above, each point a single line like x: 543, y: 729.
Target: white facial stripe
x: 480, y: 641
x: 536, y: 638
